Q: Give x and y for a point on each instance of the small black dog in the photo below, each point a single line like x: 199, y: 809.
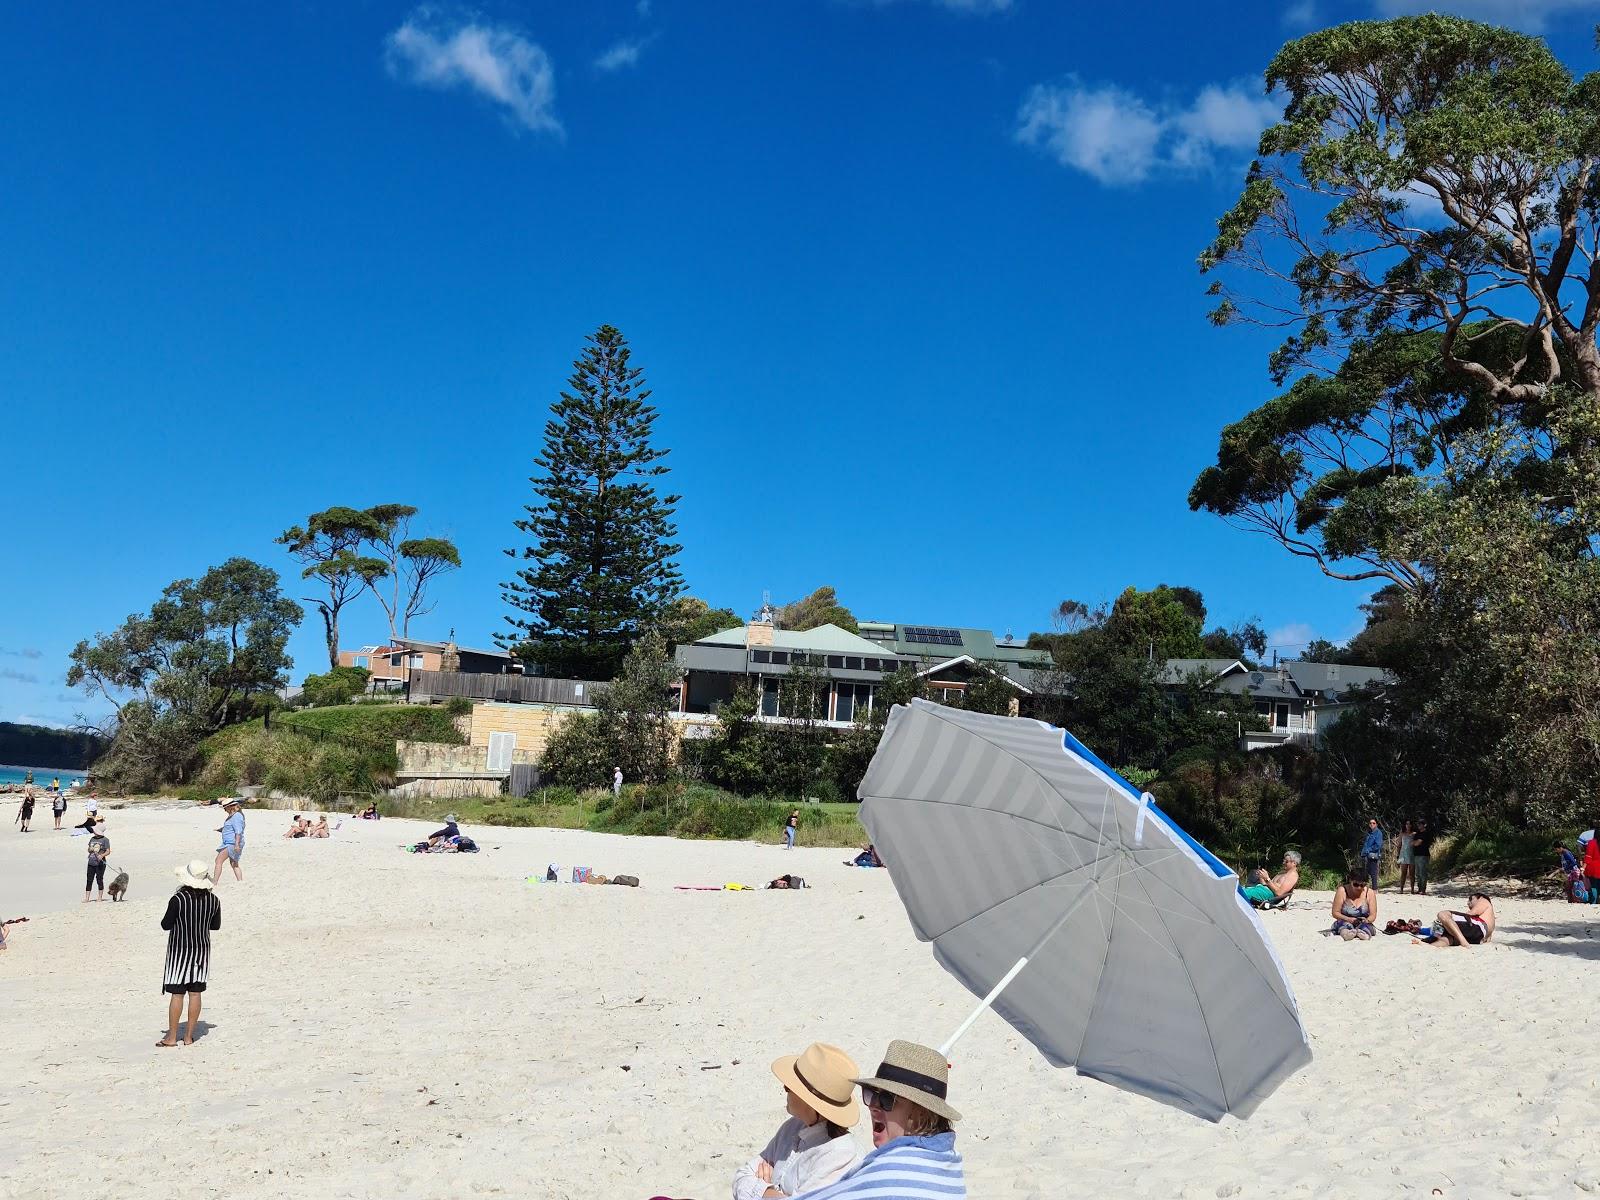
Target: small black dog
x: 119, y: 887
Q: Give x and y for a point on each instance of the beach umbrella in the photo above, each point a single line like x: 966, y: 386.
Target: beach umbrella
x: 1094, y: 925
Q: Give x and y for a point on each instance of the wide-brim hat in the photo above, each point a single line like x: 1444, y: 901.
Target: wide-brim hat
x: 451, y: 819
x: 231, y: 802
x: 918, y: 1073
x: 194, y: 875
x: 823, y: 1077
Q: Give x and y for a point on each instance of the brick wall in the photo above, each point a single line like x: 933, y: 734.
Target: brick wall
x: 532, y: 723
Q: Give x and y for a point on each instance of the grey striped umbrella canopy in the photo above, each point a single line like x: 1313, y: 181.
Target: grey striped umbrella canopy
x: 1145, y: 967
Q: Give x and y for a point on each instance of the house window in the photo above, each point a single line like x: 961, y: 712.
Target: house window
x: 836, y: 661
x: 1263, y: 708
x: 780, y: 656
x: 852, y: 699
x: 1282, y: 719
x: 764, y: 656
x: 853, y: 664
x: 416, y: 662
x: 361, y: 660
x: 394, y: 660
x: 769, y: 698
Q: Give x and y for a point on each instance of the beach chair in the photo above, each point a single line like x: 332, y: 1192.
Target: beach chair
x: 1278, y: 902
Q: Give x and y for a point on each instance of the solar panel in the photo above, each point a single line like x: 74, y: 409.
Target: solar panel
x: 934, y: 637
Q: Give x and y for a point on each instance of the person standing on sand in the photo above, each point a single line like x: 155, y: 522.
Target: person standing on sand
x: 99, y: 851
x: 616, y: 782
x: 1421, y: 849
x: 790, y: 828
x: 1372, y: 851
x: 192, y: 913
x: 25, y: 811
x: 1403, y: 856
x: 1591, y: 867
x: 232, y: 832
x: 58, y: 807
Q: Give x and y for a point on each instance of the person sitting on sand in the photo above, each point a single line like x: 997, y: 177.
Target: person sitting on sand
x: 369, y: 813
x: 867, y: 858
x: 1355, y: 908
x: 813, y: 1148
x: 1470, y: 928
x: 449, y: 831
x: 914, y: 1147
x: 298, y: 827
x: 1262, y: 890
x: 320, y: 829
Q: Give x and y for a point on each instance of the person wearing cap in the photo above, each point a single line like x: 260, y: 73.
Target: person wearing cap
x: 232, y: 832
x: 192, y: 913
x: 914, y: 1147
x: 813, y: 1148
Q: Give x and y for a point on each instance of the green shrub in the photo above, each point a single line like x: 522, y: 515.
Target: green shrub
x: 458, y: 706
x: 339, y: 685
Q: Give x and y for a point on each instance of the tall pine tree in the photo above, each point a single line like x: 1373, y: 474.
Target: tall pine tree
x: 601, y: 565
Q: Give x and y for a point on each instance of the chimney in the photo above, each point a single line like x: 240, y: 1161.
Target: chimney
x: 450, y: 657
x: 758, y: 633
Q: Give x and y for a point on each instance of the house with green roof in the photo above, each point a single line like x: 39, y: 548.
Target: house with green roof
x: 855, y: 665
x: 1300, y: 701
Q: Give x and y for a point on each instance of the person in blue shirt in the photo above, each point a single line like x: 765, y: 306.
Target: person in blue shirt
x: 232, y: 831
x: 1372, y: 851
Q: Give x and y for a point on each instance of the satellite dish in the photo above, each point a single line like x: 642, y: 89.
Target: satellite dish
x: 1257, y: 678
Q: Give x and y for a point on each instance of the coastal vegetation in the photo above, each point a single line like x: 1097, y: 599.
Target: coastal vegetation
x: 39, y: 746
x: 1422, y: 221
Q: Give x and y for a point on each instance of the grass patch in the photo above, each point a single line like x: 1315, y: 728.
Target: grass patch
x: 375, y: 725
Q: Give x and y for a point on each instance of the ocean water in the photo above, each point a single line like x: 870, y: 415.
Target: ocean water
x: 41, y: 776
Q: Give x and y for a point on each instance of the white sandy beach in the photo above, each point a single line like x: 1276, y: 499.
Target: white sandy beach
x: 387, y: 1025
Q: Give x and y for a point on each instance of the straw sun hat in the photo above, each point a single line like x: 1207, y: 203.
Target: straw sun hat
x: 821, y: 1076
x: 194, y: 875
x: 917, y: 1073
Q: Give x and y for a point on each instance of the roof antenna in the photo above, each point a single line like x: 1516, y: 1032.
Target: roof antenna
x: 1008, y: 635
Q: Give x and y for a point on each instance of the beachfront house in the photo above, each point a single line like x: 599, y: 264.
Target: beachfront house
x: 1300, y: 701
x: 397, y: 666
x: 760, y: 655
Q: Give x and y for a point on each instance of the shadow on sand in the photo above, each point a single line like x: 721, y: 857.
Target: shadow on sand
x: 1578, y: 937
x: 201, y: 1028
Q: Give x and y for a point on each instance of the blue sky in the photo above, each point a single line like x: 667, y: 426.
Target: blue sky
x: 913, y: 283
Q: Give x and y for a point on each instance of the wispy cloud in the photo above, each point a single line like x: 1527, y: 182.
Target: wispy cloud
x: 495, y: 61
x: 1530, y: 15
x: 1296, y: 635
x: 1118, y: 137
x: 22, y: 652
x: 1301, y: 14
x: 643, y: 8
x: 17, y: 676
x: 624, y: 54
x: 977, y: 7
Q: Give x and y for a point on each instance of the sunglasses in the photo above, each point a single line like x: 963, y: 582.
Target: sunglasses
x: 878, y: 1098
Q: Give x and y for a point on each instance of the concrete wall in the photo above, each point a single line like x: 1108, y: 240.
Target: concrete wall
x: 433, y: 760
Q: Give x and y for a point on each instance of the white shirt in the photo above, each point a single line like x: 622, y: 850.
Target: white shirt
x: 93, y: 806
x: 803, y: 1158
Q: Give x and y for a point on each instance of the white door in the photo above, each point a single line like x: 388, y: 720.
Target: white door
x: 500, y: 747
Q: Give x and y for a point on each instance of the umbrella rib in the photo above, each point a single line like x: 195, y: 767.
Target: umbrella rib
x: 1014, y: 757
x: 1009, y: 816
x: 1284, y: 1002
x: 1216, y: 1060
x: 967, y: 920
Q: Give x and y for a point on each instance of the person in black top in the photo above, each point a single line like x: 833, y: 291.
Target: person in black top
x: 25, y: 813
x: 1421, y: 847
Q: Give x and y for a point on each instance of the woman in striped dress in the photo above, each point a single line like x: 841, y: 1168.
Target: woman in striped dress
x: 192, y: 913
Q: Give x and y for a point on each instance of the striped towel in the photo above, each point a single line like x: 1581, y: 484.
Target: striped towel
x: 908, y: 1168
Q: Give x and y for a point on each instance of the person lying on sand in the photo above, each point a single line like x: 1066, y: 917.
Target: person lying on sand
x: 813, y: 1147
x: 1470, y: 928
x: 1355, y: 908
x: 1262, y: 890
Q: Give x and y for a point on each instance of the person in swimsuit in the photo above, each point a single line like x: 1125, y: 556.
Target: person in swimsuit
x: 1355, y: 908
x: 1470, y: 928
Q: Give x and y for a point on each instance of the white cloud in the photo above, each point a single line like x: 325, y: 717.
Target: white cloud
x: 1532, y: 15
x: 1301, y: 14
x: 495, y: 61
x: 978, y: 7
x: 624, y: 54
x: 1295, y: 636
x: 1117, y: 137
x: 643, y: 8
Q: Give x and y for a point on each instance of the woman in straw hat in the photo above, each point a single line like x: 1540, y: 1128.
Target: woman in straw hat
x: 192, y: 913
x: 914, y: 1155
x: 813, y: 1148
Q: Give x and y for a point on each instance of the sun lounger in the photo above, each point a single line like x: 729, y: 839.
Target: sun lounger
x: 1277, y: 902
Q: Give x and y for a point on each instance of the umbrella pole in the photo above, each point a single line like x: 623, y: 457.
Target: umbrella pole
x: 1016, y: 969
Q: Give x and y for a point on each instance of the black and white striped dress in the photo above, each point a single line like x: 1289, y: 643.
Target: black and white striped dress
x: 191, y: 915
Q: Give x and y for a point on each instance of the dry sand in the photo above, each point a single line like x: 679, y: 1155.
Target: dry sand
x: 387, y: 1025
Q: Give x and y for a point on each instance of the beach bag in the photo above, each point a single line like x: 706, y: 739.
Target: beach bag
x: 626, y: 880
x: 580, y: 874
x: 1580, y: 891
x: 550, y: 875
x: 466, y: 845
